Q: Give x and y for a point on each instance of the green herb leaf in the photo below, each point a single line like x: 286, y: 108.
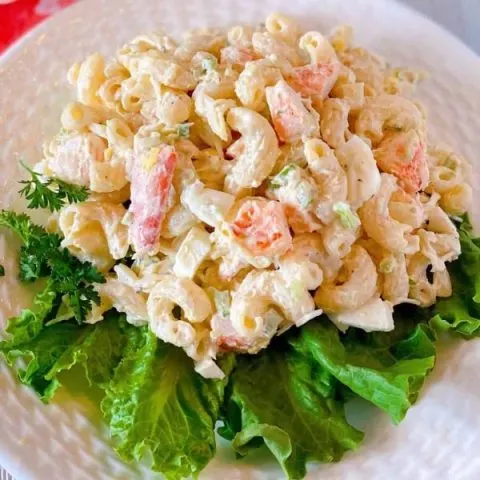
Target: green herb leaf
x: 51, y: 193
x: 74, y: 279
x: 41, y: 255
x: 157, y: 401
x: 2, y: 271
x: 71, y: 193
x: 22, y: 225
x: 37, y: 244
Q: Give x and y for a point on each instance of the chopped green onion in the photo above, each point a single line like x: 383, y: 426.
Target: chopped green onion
x: 184, y: 130
x: 347, y: 218
x: 394, y: 128
x: 305, y: 193
x: 279, y: 180
x: 387, y: 265
x: 273, y: 185
x: 286, y: 170
x: 222, y: 301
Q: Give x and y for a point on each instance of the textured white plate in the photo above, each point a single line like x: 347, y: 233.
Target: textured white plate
x: 439, y: 438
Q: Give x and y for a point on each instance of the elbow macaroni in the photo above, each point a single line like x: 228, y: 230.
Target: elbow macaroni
x: 88, y: 77
x: 334, y: 121
x: 255, y: 152
x: 357, y: 284
x: 272, y: 174
x: 329, y: 176
x: 317, y: 47
x: 213, y: 112
x: 363, y: 177
x: 385, y: 230
x: 94, y: 231
x: 86, y: 159
x: 260, y: 291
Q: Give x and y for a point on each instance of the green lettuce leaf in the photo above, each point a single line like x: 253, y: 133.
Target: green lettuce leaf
x: 157, y: 401
x: 30, y: 322
x: 99, y: 350
x: 47, y: 351
x: 286, y: 401
x: 378, y: 367
x: 290, y: 397
x: 460, y: 313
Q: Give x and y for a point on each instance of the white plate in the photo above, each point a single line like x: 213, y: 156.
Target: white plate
x: 439, y: 437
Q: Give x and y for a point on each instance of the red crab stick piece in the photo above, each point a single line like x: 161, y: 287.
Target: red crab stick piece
x: 316, y: 79
x: 150, y: 189
x: 261, y: 226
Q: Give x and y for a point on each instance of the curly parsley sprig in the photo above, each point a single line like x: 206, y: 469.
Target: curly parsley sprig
x: 51, y: 193
x: 42, y: 255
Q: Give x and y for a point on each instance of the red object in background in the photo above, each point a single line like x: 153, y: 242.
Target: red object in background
x: 20, y: 16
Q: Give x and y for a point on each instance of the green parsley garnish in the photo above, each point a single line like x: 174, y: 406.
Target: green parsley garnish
x: 347, y: 218
x: 51, y: 193
x: 42, y: 255
x: 2, y: 271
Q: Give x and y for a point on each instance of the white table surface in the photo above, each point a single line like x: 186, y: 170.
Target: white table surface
x: 461, y: 17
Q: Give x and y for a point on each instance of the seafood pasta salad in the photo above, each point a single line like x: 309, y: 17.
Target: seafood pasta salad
x: 248, y: 226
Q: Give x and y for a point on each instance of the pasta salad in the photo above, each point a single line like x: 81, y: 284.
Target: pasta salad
x: 212, y: 193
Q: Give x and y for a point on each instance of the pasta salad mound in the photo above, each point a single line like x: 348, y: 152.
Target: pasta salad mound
x: 208, y: 195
